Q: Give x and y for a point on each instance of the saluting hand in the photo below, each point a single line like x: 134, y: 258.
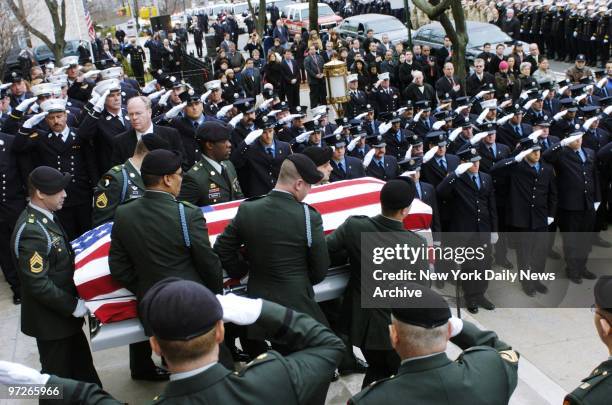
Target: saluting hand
x: 174, y: 111
x: 240, y: 310
x: 252, y: 136
x: 463, y: 167
x: 34, y: 120
x: 25, y: 104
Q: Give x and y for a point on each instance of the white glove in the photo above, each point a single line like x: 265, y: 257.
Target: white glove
x: 463, y: 167
x: 593, y: 38
x: 377, y: 83
x: 438, y: 124
x: 456, y: 325
x: 430, y: 153
x: 559, y: 115
x: 367, y: 159
x: 149, y: 87
x: 94, y: 98
x: 563, y: 89
x: 570, y: 139
x: 588, y: 88
x: 602, y: 82
x: 99, y: 105
x: 453, y: 135
x: 35, y: 108
x: 524, y: 94
x: 545, y: 94
x: 240, y: 310
x: 293, y: 81
x: 91, y: 73
x: 303, y: 137
x: 360, y: 116
x: 273, y: 113
x: 482, y: 115
x: 234, y: 121
x: 596, y: 205
x: 478, y: 137
x: 153, y: 96
x: 174, y: 111
x: 18, y: 374
x: 580, y: 98
x: 163, y: 100
x: 528, y: 104
x: 505, y: 104
x: 460, y: 108
x: 25, y: 104
x: 494, y: 238
x: 338, y: 130
x: 482, y: 93
x: 505, y: 119
x: 384, y: 127
x: 34, y: 120
x: 408, y: 173
x: 408, y: 154
x: 535, y: 135
x: 550, y: 220
x: 204, y: 96
x: 608, y: 110
x: 587, y: 124
x: 288, y: 118
x: 224, y: 110
x: 352, y: 144
x: 266, y: 103
x: 521, y: 156
x: 80, y: 310
x: 417, y: 116
x: 252, y: 136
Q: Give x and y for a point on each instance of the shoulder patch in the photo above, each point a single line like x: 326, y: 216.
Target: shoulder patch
x: 116, y: 168
x: 36, y: 263
x: 101, y: 200
x: 106, y: 180
x: 33, y: 135
x: 509, y: 355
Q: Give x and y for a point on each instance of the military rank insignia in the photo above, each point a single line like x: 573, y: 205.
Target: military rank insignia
x: 36, y: 263
x: 102, y: 201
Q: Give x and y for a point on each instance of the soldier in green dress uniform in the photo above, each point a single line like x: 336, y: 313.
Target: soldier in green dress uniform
x: 213, y: 179
x: 596, y: 389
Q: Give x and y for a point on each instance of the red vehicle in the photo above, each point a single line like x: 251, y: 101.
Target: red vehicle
x: 295, y: 16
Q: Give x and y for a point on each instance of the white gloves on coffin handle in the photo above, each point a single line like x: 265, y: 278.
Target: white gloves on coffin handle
x: 80, y: 310
x: 18, y: 374
x: 240, y: 310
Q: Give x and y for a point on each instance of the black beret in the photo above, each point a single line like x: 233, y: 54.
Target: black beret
x: 49, y: 180
x: 319, y: 155
x: 198, y: 307
x: 397, y: 194
x: 306, y: 168
x: 213, y: 131
x: 161, y: 162
x: 153, y: 142
x: 428, y: 311
x: 603, y: 293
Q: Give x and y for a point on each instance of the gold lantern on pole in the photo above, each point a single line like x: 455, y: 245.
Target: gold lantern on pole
x: 335, y: 72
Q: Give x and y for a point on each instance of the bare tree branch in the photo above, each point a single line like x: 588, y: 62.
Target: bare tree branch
x: 432, y: 11
x: 18, y: 13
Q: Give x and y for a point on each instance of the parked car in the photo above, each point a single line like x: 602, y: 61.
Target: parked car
x: 357, y: 26
x: 478, y: 34
x: 296, y: 16
x: 43, y: 54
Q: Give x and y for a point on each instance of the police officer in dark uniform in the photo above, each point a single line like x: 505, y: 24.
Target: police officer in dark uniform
x: 154, y: 229
x: 563, y: 124
x: 396, y: 138
x: 344, y: 167
x: 137, y: 60
x: 246, y: 123
x: 214, y: 101
x: 62, y: 148
x: 51, y: 311
x: 487, y: 368
x: 411, y: 168
x: 377, y: 163
x: 557, y: 34
x: 123, y: 182
x: 387, y: 98
x: 571, y: 21
x: 258, y: 158
x: 213, y: 179
x: 604, y: 34
x: 472, y: 200
x: 421, y: 123
x: 12, y: 203
x: 597, y: 387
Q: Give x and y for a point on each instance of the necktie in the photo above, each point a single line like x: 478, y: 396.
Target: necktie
x: 341, y: 167
x: 380, y: 164
x: 579, y: 156
x: 427, y: 124
x: 442, y: 164
x: 518, y: 131
x: 475, y: 180
x: 225, y: 176
x: 605, y: 91
x: 195, y: 125
x: 59, y: 137
x: 418, y: 188
x: 545, y: 144
x: 536, y: 167
x: 491, y: 151
x: 270, y: 151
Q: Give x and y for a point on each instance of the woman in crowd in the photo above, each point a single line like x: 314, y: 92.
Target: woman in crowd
x: 272, y: 72
x: 299, y: 49
x: 253, y: 43
x: 504, y: 80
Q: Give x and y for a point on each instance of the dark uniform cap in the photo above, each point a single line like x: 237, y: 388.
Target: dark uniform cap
x: 319, y: 155
x: 368, y: 108
x: 153, y: 142
x: 422, y: 105
x: 189, y: 96
x: 343, y: 121
x: 161, y: 162
x: 580, y: 57
x: 338, y: 140
x: 436, y: 138
x: 603, y: 293
x: 358, y: 129
x: 460, y: 101
x: 465, y: 122
x: 283, y: 106
x: 605, y: 101
x: 16, y: 77
x: 428, y: 311
x: 397, y: 194
x: 213, y: 131
x: 390, y: 117
x: 299, y: 109
x: 313, y: 125
x: 488, y: 127
x: 306, y: 168
x: 569, y: 104
x: 376, y: 141
x: 468, y: 154
x: 543, y: 121
x: 265, y: 121
x: 415, y: 139
x: 441, y: 115
x: 586, y: 80
x: 527, y: 143
x: 590, y: 110
x: 245, y: 105
x: 176, y: 309
x: 577, y: 89
x: 408, y: 104
x: 547, y: 85
x: 410, y: 164
x: 49, y: 180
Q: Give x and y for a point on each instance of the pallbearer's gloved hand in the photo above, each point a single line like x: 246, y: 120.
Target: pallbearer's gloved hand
x: 240, y: 310
x: 456, y: 325
x: 17, y: 374
x: 80, y: 310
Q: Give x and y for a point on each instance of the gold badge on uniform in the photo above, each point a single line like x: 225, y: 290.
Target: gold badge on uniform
x: 36, y: 263
x: 102, y: 201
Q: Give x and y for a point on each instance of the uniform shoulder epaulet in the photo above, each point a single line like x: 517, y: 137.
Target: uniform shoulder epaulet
x: 373, y: 385
x: 188, y: 204
x: 588, y: 386
x: 255, y: 197
x: 157, y: 399
x: 262, y: 358
x: 117, y: 168
x: 129, y: 200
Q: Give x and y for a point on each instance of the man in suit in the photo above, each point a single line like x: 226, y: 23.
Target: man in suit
x: 51, y: 311
x: 472, y: 200
x: 418, y: 90
x: 344, y: 167
x: 511, y: 25
x: 532, y: 200
x: 258, y: 158
x: 445, y: 54
x: 477, y: 80
x: 251, y: 79
x: 449, y: 85
x: 313, y: 64
x: 139, y: 111
x: 291, y: 79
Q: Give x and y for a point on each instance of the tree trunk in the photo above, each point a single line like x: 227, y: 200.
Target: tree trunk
x: 261, y: 19
x: 313, y: 12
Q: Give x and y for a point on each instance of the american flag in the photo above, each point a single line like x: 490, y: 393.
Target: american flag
x: 111, y: 302
x: 90, y: 27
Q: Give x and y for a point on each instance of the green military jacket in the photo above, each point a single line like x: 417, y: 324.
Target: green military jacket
x: 298, y: 378
x: 596, y: 389
x: 368, y: 328
x: 121, y: 183
x: 281, y: 266
x: 45, y: 264
x: 203, y: 185
x: 484, y: 374
x: 155, y: 237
